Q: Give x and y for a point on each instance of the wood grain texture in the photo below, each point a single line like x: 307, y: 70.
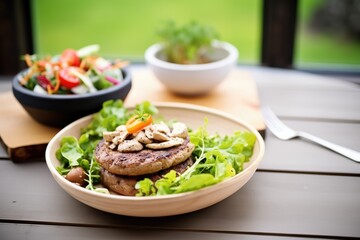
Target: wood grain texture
x: 270, y: 203
x: 300, y: 191
x: 296, y: 94
x: 36, y: 231
x: 299, y: 155
x: 24, y: 138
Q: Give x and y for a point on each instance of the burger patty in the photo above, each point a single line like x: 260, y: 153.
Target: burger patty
x: 146, y: 161
x: 125, y: 185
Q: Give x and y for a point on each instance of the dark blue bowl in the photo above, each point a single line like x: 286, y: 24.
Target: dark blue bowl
x: 60, y: 110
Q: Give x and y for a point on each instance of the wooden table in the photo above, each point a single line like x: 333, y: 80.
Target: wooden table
x: 300, y: 190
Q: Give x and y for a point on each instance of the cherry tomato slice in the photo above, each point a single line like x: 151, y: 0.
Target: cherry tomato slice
x: 69, y: 57
x: 137, y: 123
x: 67, y: 79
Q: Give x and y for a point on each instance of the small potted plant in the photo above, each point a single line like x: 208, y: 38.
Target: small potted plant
x: 190, y: 60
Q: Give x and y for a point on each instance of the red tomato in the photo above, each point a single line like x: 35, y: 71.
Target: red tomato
x: 69, y: 57
x: 67, y: 79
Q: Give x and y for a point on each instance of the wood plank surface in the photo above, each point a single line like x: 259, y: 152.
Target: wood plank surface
x: 301, y: 190
x: 303, y: 156
x: 296, y: 94
x: 271, y: 203
x: 290, y: 79
x: 314, y: 104
x: 35, y: 232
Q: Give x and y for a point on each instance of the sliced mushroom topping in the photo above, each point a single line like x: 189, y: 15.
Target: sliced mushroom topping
x: 171, y: 143
x: 120, y: 132
x: 160, y: 136
x: 149, y: 132
x: 112, y: 146
x: 122, y: 136
x: 179, y: 130
x: 109, y: 136
x: 130, y: 146
x: 121, y: 128
x: 141, y: 138
x: 123, y: 141
x: 161, y: 127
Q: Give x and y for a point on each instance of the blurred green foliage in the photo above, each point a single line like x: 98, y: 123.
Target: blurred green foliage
x: 126, y: 28
x: 320, y: 45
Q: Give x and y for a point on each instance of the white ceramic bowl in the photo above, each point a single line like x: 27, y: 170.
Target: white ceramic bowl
x: 193, y: 79
x: 168, y: 205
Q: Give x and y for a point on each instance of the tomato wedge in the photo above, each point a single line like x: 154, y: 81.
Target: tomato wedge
x: 69, y: 57
x: 67, y: 79
x: 137, y: 123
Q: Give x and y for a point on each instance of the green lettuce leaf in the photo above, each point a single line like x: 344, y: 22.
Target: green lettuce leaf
x: 70, y: 150
x: 216, y: 159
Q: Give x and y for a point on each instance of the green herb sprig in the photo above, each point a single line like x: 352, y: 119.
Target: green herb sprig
x: 186, y: 44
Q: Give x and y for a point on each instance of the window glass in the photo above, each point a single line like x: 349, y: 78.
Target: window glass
x: 127, y: 28
x: 328, y: 33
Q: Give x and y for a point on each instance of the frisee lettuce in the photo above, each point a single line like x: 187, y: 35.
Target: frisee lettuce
x: 216, y: 159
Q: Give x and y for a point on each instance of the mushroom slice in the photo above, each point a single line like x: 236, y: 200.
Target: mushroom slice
x: 109, y: 136
x: 130, y: 146
x: 179, y: 130
x: 121, y: 128
x: 149, y: 132
x: 141, y: 138
x: 171, y: 143
x: 161, y: 127
x: 122, y: 136
x: 160, y: 136
x: 112, y: 146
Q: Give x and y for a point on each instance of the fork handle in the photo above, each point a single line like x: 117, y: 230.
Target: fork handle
x: 349, y: 153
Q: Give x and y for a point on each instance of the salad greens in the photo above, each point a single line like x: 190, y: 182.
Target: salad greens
x: 216, y: 157
x: 80, y: 152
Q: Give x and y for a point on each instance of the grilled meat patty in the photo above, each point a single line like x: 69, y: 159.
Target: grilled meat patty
x: 146, y: 161
x: 125, y: 185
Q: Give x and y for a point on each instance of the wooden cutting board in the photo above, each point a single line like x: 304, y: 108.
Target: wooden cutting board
x: 26, y: 140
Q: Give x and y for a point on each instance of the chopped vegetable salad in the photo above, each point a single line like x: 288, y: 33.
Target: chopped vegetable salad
x: 73, y: 72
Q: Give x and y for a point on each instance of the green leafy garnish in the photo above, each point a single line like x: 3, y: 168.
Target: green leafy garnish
x: 80, y: 152
x: 70, y: 150
x: 216, y: 159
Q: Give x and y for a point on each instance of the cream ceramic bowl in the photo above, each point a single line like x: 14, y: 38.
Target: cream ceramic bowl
x: 193, y: 116
x: 193, y: 79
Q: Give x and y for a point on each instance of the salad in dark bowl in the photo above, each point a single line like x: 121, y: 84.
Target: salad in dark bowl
x: 60, y: 89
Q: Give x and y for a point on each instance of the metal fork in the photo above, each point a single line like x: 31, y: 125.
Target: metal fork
x: 280, y: 130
